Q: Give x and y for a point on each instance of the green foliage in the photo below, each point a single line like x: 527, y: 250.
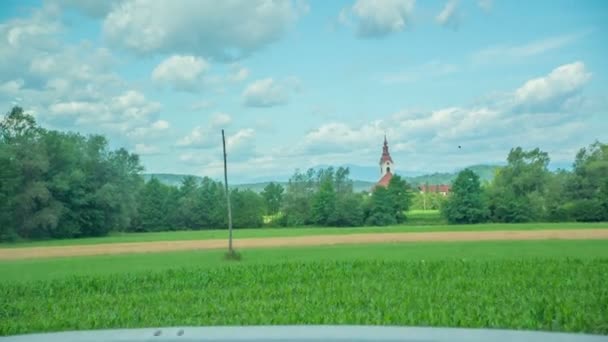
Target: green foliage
x: 61, y: 185
x: 505, y: 294
x: 388, y: 204
x: 517, y: 193
x: 273, y: 196
x: 466, y: 203
x: 247, y: 209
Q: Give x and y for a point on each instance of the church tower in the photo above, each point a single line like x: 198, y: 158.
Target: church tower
x: 386, y: 162
x: 387, y: 167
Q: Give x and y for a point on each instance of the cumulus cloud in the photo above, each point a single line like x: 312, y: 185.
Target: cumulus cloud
x: 220, y: 119
x: 449, y: 16
x: 199, y: 137
x: 239, y: 145
x: 68, y: 85
x: 486, y: 130
x: 238, y: 73
x: 225, y: 30
x: 375, y: 19
x: 555, y: 88
x: 181, y: 72
x: 154, y: 130
x: 123, y: 112
x: 268, y: 93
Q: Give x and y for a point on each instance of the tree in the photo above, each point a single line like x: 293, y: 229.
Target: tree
x: 466, y: 202
x: 400, y: 195
x: 273, y: 196
x: 152, y: 208
x: 297, y: 203
x: 587, y: 191
x: 348, y: 211
x: 518, y: 191
x: 380, y: 209
x: 248, y: 209
x: 324, y: 202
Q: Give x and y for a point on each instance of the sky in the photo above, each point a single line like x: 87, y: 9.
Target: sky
x: 299, y: 83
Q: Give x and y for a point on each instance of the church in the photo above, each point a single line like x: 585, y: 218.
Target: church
x: 386, y: 166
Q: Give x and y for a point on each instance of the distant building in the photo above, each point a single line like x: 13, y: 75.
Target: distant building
x: 443, y: 189
x: 387, y: 166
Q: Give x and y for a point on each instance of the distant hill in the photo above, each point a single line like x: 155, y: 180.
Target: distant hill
x: 485, y: 172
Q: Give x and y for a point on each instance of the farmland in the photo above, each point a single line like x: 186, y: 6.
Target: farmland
x: 546, y: 285
x: 545, y: 294
x: 292, y: 232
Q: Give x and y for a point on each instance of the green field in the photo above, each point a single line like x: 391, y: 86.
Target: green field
x: 49, y: 269
x: 558, y: 294
x: 555, y: 285
x: 277, y: 232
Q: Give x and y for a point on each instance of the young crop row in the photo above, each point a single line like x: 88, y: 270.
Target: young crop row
x: 539, y: 294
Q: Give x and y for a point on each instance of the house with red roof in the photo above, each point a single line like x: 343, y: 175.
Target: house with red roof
x: 443, y: 189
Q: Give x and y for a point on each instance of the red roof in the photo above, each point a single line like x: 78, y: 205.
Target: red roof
x: 385, y: 179
x: 435, y: 188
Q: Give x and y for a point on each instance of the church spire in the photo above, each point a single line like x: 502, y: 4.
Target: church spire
x: 386, y: 162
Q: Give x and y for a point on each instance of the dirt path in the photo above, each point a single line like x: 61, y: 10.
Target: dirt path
x: 316, y: 240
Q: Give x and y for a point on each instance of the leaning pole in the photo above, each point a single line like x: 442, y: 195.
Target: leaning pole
x: 227, y: 196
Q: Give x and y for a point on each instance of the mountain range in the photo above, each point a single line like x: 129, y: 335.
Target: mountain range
x: 363, y: 177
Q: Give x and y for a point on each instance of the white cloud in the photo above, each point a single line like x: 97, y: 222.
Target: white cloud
x: 449, y: 16
x: 514, y: 52
x: 241, y: 145
x: 154, y: 130
x: 199, y: 137
x: 146, y: 150
x: 225, y: 30
x: 374, y: 19
x: 238, y: 73
x: 181, y: 72
x: 486, y: 131
x: 11, y: 87
x: 122, y: 113
x: 220, y: 119
x: 268, y: 92
x: 558, y: 85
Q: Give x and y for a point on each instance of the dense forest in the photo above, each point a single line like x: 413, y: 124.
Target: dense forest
x: 65, y: 185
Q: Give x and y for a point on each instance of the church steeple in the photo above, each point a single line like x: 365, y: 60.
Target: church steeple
x: 386, y: 162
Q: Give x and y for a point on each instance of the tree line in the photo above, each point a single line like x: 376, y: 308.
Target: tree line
x: 526, y: 191
x: 65, y: 185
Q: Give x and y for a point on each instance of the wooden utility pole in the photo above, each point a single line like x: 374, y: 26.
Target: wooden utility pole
x: 227, y: 196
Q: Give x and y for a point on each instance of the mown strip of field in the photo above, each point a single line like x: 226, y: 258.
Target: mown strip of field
x: 60, y: 268
x: 288, y: 232
x: 535, y: 293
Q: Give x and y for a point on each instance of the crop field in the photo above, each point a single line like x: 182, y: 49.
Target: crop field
x: 540, y: 294
x: 539, y: 285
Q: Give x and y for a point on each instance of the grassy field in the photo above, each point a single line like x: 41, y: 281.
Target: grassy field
x: 558, y: 294
x: 555, y: 285
x: 277, y: 232
x: 58, y: 268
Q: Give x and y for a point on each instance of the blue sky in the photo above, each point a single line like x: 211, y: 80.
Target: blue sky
x: 302, y: 83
